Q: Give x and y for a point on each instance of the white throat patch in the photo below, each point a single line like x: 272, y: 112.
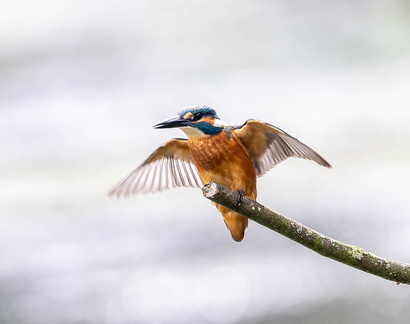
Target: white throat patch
x: 192, y: 132
x: 219, y: 123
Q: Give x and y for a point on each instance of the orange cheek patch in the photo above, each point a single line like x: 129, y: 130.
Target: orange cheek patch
x: 208, y: 119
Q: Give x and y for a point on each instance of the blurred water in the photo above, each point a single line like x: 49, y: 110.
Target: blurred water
x: 82, y: 83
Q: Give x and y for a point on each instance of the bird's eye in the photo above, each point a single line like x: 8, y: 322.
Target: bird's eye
x: 197, y: 116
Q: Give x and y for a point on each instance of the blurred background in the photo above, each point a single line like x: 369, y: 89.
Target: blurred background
x: 82, y: 83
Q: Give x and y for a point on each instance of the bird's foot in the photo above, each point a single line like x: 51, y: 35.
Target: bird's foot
x: 240, y: 197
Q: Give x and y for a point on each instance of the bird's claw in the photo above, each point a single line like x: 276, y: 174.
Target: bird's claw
x: 240, y: 197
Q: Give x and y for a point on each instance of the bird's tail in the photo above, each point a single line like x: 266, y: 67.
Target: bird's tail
x: 235, y: 222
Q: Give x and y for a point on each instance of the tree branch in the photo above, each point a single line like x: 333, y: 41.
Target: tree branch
x: 348, y: 254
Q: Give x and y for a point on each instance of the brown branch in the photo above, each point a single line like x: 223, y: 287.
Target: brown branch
x: 348, y: 254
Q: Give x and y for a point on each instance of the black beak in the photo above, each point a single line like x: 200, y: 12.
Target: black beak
x: 172, y: 123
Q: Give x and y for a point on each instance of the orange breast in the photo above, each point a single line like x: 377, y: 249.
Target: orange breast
x: 220, y: 158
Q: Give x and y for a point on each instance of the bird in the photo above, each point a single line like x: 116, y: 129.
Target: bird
x: 233, y: 156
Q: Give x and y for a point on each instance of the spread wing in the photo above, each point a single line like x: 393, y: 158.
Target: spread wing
x: 268, y: 145
x: 170, y: 166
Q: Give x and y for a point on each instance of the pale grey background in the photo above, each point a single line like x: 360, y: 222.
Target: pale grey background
x: 82, y: 83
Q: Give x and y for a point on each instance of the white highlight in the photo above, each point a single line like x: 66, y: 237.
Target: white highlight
x: 152, y: 296
x: 222, y: 295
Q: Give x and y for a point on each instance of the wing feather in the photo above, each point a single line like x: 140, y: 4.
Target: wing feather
x: 170, y: 166
x: 268, y: 145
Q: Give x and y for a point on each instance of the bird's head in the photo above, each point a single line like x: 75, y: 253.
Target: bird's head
x: 196, y: 121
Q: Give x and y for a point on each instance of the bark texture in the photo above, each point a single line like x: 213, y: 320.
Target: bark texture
x: 348, y: 254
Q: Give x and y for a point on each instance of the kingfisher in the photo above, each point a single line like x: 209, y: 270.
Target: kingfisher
x: 233, y: 156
